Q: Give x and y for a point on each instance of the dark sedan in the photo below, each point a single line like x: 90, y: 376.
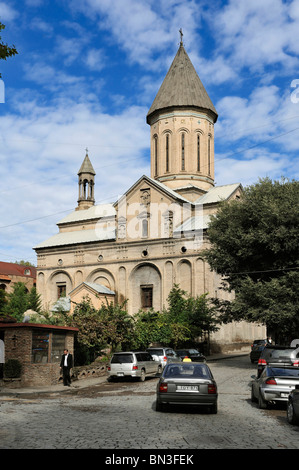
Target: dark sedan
x: 293, y: 406
x: 274, y: 385
x: 256, y: 349
x: 193, y: 354
x: 187, y: 383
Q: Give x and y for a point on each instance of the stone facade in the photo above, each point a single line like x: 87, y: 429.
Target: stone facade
x: 153, y: 236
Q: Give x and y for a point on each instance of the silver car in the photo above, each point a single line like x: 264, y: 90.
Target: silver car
x: 163, y: 355
x: 274, y: 384
x: 133, y: 364
x: 293, y: 406
x: 187, y: 383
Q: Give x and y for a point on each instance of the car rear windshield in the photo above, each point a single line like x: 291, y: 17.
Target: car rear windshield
x: 282, y: 353
x: 195, y: 371
x: 284, y: 371
x: 156, y: 352
x: 122, y: 359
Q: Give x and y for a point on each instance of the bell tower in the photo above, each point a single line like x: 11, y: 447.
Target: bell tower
x: 182, y: 119
x: 86, y: 176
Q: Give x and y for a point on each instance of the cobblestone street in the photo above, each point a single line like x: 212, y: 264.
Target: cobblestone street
x: 123, y: 416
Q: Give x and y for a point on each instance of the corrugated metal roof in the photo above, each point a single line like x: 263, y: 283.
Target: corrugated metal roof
x: 194, y: 223
x: 96, y: 287
x: 78, y: 236
x: 94, y: 212
x: 218, y: 193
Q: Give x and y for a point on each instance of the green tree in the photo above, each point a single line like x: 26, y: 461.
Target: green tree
x: 150, y: 327
x: 3, y: 300
x: 17, y: 301
x: 34, y: 300
x: 5, y: 50
x: 254, y: 246
x: 117, y: 325
x: 87, y: 319
x: 185, y: 319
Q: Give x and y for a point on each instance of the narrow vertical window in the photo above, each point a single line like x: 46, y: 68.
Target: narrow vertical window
x: 198, y: 152
x: 183, y: 151
x: 144, y: 228
x: 156, y: 155
x: 209, y: 155
x: 146, y: 296
x: 167, y: 152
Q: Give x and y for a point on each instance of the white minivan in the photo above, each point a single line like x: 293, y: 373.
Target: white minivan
x: 133, y: 364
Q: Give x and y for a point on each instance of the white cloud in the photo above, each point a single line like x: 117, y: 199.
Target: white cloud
x: 255, y: 34
x: 7, y: 13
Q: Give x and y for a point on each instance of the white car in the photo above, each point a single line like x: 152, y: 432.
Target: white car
x: 133, y: 364
x: 163, y: 355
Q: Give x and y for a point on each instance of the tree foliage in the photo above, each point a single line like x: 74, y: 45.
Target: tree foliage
x: 5, y: 50
x: 19, y: 300
x: 255, y: 248
x: 183, y: 322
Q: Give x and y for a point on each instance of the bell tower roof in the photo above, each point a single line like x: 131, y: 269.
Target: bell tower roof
x: 86, y: 166
x: 182, y: 87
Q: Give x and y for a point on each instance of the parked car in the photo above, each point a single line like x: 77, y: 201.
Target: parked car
x: 193, y: 354
x: 187, y: 383
x: 257, y: 347
x: 274, y: 384
x: 293, y: 406
x: 163, y: 355
x: 278, y: 356
x: 133, y: 364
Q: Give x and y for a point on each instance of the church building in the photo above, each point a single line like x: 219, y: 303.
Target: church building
x: 152, y: 237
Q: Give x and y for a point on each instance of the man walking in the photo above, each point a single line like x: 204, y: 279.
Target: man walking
x: 66, y: 364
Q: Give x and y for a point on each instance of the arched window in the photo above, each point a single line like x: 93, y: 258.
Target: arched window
x: 156, y: 155
x: 144, y: 228
x: 198, y: 151
x: 167, y: 152
x: 209, y: 155
x: 183, y: 150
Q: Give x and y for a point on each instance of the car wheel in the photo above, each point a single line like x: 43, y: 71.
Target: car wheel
x: 159, y: 406
x: 214, y: 409
x: 142, y: 376
x: 262, y: 403
x: 253, y: 398
x: 291, y: 416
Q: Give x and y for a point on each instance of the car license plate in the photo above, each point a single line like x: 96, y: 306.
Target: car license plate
x: 284, y: 395
x: 120, y: 374
x: 187, y: 388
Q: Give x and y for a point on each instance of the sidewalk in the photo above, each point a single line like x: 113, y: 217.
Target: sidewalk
x: 88, y: 382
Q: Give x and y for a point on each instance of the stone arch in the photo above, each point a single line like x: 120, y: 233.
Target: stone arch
x: 184, y: 275
x: 102, y: 276
x: 145, y: 276
x: 59, y: 281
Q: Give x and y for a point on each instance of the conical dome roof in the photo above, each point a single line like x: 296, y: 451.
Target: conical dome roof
x: 182, y: 87
x: 86, y: 166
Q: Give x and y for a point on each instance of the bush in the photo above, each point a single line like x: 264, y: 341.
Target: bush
x: 12, y: 369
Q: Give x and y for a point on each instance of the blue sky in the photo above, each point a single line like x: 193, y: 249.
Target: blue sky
x: 88, y: 71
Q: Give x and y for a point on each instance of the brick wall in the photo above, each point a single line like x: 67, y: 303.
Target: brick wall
x: 18, y: 345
